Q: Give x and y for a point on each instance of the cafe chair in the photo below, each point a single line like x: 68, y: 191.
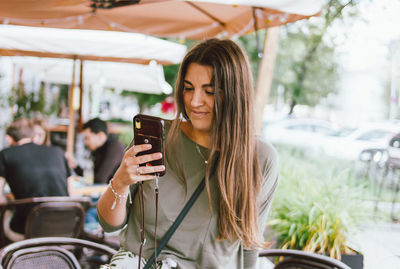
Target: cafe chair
x: 64, y: 219
x: 54, y: 252
x: 297, y: 259
x: 48, y: 216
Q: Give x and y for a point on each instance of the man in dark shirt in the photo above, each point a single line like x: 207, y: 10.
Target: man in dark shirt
x: 107, y: 151
x: 31, y: 170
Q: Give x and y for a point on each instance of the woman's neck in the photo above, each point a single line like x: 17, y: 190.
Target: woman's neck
x: 201, y: 138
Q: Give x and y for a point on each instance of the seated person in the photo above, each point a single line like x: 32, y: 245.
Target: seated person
x: 40, y: 136
x: 30, y: 170
x: 107, y: 151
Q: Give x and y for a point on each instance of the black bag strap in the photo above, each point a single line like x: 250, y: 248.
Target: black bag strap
x: 177, y: 222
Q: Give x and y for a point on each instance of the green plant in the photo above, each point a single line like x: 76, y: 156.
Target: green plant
x: 126, y: 136
x: 145, y: 100
x: 28, y: 104
x: 317, y: 205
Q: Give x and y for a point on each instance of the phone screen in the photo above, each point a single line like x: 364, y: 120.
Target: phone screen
x: 150, y: 130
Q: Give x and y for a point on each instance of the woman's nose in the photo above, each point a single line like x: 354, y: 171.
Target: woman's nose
x: 197, y: 98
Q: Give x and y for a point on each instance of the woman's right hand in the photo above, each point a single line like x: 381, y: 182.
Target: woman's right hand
x: 111, y: 205
x: 129, y: 171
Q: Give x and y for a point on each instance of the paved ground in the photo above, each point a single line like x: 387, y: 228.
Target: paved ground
x: 380, y: 245
x: 379, y: 240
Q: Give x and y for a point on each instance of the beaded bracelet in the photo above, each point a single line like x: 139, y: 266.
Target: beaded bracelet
x: 118, y: 196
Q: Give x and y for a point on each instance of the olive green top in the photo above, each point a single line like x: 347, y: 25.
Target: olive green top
x: 194, y: 244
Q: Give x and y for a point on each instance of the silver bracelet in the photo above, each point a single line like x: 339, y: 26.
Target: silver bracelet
x: 118, y: 196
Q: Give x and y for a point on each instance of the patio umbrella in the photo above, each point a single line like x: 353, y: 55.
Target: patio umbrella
x: 195, y: 19
x: 92, y: 45
x: 87, y: 45
x: 143, y: 78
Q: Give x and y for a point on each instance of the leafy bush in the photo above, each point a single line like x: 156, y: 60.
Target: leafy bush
x: 317, y: 204
x: 126, y: 137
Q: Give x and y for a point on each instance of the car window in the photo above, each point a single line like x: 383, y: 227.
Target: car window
x: 324, y: 130
x: 374, y: 135
x: 345, y: 131
x: 300, y: 127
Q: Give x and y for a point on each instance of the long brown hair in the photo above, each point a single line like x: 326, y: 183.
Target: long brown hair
x: 232, y: 134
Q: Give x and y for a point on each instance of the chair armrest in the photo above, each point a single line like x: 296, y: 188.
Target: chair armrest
x: 303, y: 255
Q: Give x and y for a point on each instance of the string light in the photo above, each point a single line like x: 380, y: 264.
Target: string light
x: 79, y: 19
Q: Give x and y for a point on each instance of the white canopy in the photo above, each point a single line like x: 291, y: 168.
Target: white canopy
x: 123, y: 76
x: 87, y: 45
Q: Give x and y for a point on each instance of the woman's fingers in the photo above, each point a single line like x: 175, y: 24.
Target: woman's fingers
x: 148, y: 157
x: 130, y: 168
x: 143, y: 170
x: 145, y: 158
x: 134, y: 150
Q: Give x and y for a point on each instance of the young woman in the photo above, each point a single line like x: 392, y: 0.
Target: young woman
x: 213, y: 136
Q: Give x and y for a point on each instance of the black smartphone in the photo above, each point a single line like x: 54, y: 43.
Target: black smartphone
x: 150, y: 130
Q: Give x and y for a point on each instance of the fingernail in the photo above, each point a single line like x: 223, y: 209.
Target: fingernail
x: 148, y: 146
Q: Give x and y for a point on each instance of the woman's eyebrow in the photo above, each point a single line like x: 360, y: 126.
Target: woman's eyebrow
x: 203, y: 86
x: 188, y: 82
x: 207, y: 85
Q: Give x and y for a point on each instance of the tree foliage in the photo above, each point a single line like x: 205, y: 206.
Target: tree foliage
x: 28, y: 104
x: 145, y: 100
x: 306, y: 64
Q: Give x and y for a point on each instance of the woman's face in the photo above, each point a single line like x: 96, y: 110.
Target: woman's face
x: 198, y: 96
x: 39, y: 135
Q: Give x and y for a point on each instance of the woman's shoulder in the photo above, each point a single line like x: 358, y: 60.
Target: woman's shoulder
x: 267, y: 159
x: 167, y: 125
x: 266, y: 152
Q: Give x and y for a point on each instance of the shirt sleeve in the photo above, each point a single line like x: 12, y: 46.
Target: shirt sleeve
x: 249, y: 258
x: 66, y: 166
x: 2, y: 166
x: 270, y: 170
x: 270, y: 182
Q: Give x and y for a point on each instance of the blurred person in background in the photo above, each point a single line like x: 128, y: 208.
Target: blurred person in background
x: 40, y: 136
x: 106, y: 150
x: 31, y: 170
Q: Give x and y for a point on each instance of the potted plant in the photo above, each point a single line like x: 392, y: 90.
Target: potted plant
x: 316, y: 207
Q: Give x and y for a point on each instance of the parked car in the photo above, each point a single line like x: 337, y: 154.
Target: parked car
x: 349, y: 143
x: 307, y: 133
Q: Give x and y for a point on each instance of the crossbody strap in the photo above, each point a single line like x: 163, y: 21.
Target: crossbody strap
x: 176, y: 223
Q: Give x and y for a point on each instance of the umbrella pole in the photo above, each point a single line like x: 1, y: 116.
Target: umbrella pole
x: 80, y: 122
x: 71, y: 115
x: 265, y: 73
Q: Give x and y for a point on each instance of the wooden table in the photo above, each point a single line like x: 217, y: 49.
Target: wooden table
x: 91, y: 190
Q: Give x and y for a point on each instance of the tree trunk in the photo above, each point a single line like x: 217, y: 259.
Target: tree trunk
x: 265, y: 74
x: 293, y: 103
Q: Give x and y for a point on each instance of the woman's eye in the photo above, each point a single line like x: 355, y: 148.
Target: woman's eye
x: 188, y: 89
x: 209, y: 92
